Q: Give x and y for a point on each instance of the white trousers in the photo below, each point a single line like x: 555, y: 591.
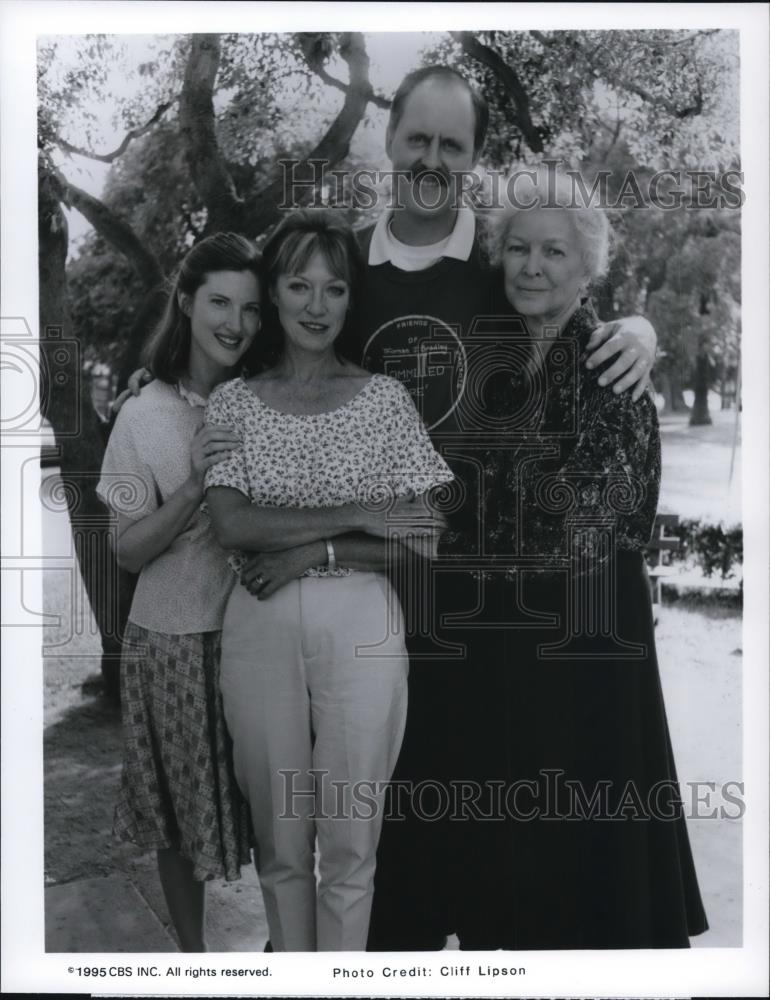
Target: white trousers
x: 314, y: 690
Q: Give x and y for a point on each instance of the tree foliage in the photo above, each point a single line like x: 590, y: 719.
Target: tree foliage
x: 672, y: 93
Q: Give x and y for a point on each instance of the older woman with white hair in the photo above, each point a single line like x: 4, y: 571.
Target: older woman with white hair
x: 577, y: 837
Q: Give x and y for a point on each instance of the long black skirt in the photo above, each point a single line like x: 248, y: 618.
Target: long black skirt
x: 415, y: 886
x: 576, y: 838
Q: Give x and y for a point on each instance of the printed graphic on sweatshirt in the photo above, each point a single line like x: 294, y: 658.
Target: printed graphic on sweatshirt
x: 426, y: 354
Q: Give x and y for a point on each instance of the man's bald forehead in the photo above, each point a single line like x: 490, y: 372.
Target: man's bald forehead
x: 441, y: 77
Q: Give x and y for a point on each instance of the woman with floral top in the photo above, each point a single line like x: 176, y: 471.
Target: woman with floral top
x: 178, y: 795
x: 313, y: 659
x: 590, y: 849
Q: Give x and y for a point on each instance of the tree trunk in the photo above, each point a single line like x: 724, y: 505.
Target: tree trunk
x: 66, y: 403
x: 669, y: 385
x: 702, y: 381
x: 148, y: 317
x: 723, y: 403
x: 678, y: 404
x: 664, y: 387
x: 700, y: 407
x: 197, y: 124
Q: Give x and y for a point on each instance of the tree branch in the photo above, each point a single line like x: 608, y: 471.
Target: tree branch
x: 117, y: 232
x: 315, y: 58
x: 695, y: 108
x: 197, y: 122
x: 510, y: 81
x: 689, y: 37
x: 691, y: 111
x: 209, y: 172
x: 334, y: 145
x: 614, y: 131
x: 134, y: 133
x: 543, y: 38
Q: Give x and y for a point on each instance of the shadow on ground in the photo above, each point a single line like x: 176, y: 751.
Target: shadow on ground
x: 82, y: 753
x: 103, y: 895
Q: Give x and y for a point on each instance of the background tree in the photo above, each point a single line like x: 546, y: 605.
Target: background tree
x: 682, y: 268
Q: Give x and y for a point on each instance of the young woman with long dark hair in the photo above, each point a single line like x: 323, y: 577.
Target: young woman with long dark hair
x: 178, y: 796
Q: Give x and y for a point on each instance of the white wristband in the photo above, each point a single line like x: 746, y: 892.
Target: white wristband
x: 331, y: 563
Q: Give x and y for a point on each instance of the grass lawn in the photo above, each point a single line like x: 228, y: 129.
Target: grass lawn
x: 696, y: 479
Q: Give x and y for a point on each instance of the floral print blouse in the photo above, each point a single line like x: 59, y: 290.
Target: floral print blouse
x: 575, y: 463
x: 370, y: 449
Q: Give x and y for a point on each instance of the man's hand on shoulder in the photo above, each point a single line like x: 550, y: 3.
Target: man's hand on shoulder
x: 631, y: 341
x: 139, y: 378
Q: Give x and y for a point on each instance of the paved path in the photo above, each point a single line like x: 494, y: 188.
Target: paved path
x: 116, y: 914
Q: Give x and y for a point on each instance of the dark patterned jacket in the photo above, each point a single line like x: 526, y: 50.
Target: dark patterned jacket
x: 573, y: 467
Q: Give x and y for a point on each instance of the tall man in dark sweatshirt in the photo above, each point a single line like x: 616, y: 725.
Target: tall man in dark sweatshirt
x: 427, y: 305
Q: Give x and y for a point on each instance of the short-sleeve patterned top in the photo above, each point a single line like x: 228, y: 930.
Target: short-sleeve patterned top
x: 371, y: 447
x: 184, y: 589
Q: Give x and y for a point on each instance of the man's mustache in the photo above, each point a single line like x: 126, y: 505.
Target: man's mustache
x: 419, y: 172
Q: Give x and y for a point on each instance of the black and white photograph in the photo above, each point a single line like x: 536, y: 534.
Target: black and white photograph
x: 385, y: 399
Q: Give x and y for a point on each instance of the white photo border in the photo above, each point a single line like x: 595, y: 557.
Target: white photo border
x: 698, y: 972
